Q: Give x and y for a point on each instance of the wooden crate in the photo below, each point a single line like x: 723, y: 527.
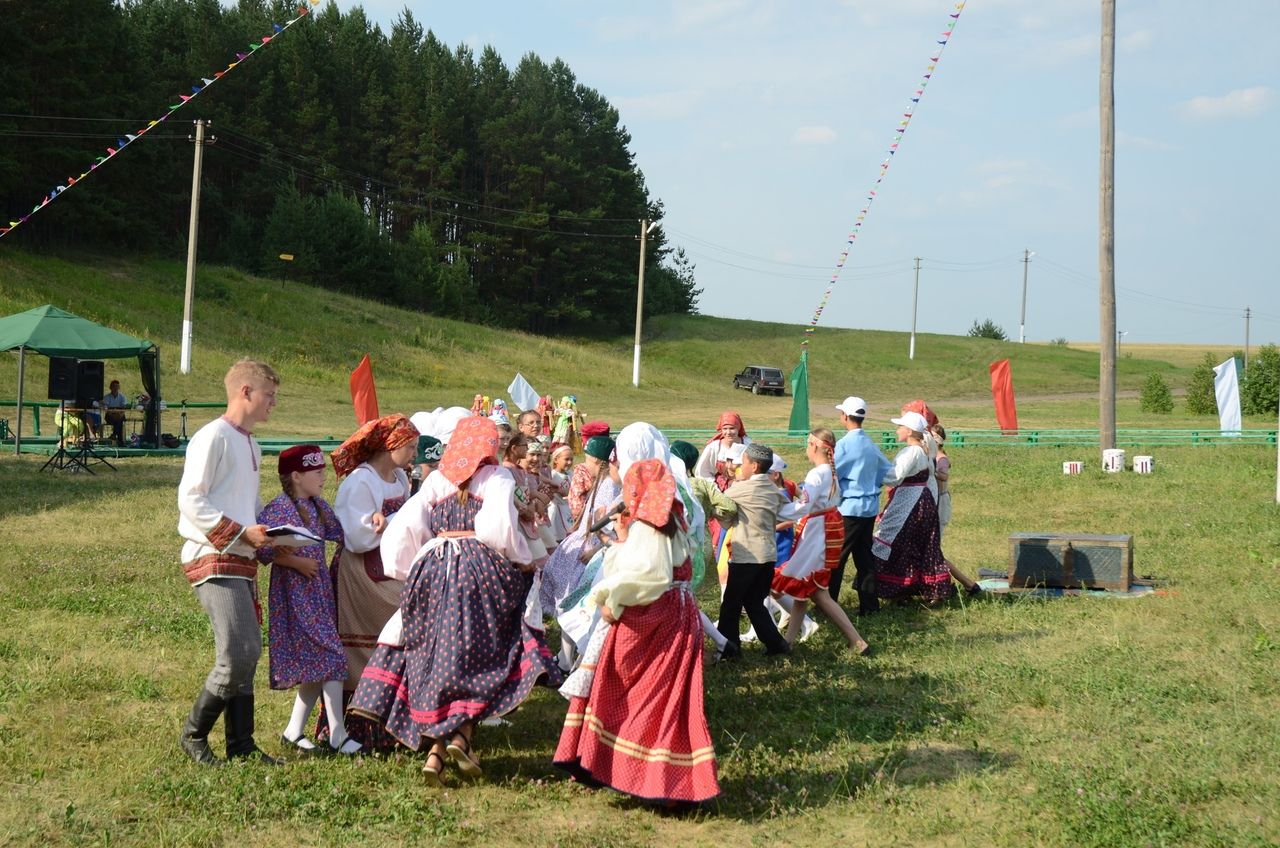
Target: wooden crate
x: 1070, y: 560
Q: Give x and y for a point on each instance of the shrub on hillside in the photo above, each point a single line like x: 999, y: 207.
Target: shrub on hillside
x: 987, y: 329
x: 1156, y: 397
x: 1260, y: 388
x: 1200, y: 397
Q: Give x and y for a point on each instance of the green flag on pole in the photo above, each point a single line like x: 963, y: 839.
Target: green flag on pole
x: 800, y: 395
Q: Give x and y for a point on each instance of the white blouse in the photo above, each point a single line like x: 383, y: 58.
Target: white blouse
x: 497, y: 525
x: 360, y: 495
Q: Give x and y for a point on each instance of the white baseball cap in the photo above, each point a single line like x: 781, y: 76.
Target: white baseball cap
x: 735, y: 453
x: 779, y: 464
x: 854, y: 407
x: 912, y: 421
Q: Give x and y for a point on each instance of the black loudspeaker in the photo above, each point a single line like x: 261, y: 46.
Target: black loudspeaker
x: 88, y: 382
x: 62, y: 378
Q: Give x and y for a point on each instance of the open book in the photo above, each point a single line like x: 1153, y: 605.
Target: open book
x: 292, y: 536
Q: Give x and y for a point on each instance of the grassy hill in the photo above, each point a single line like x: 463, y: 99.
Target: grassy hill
x: 315, y: 337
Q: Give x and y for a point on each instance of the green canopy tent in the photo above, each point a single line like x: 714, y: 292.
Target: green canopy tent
x: 51, y: 331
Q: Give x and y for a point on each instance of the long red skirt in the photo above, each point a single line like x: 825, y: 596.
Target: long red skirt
x: 642, y: 730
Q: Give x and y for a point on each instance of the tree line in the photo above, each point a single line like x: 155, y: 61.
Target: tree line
x: 387, y: 163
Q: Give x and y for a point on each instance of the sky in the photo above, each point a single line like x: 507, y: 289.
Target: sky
x: 762, y: 125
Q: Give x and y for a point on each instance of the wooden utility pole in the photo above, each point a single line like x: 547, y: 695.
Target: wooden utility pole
x: 184, y: 361
x: 1246, y: 338
x: 1107, y: 235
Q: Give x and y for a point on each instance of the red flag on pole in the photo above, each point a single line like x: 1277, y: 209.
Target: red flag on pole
x: 364, y: 397
x: 1002, y: 394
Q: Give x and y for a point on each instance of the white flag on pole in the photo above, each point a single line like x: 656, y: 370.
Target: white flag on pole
x: 522, y: 394
x: 1227, y: 389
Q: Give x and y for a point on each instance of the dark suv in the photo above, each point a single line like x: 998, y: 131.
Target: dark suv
x: 760, y: 379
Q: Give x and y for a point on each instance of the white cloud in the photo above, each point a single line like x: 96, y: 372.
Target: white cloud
x: 821, y: 134
x: 696, y: 15
x: 1241, y: 103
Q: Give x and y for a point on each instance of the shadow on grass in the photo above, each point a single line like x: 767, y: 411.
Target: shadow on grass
x: 26, y: 490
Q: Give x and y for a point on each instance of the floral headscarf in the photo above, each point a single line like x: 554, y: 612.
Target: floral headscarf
x: 386, y: 433
x: 649, y: 492
x: 474, y: 443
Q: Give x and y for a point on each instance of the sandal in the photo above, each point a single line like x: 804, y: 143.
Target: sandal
x: 974, y: 590
x: 865, y: 650
x: 459, y: 749
x: 433, y: 774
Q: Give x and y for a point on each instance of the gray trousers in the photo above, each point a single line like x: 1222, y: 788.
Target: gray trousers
x: 237, y: 636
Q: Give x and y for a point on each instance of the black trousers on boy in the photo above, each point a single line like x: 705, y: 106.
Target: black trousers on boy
x: 857, y: 543
x: 746, y: 589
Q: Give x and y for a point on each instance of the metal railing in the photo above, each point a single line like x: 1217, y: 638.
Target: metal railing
x: 1025, y: 437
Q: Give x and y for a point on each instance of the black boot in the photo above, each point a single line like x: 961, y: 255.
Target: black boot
x: 194, y: 740
x: 240, y: 732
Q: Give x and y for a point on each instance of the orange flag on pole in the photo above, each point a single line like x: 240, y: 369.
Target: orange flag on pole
x: 364, y: 397
x: 1002, y: 394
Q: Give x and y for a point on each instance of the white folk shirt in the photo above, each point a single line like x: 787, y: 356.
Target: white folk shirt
x: 360, y: 495
x: 218, y: 494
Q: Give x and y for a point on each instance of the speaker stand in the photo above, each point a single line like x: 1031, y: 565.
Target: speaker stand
x: 80, y: 458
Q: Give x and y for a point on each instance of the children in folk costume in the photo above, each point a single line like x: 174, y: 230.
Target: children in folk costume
x: 754, y: 554
x: 305, y: 649
x: 217, y: 518
x: 374, y: 485
x: 636, y: 722
x: 907, y: 544
x: 460, y: 650
x: 567, y: 562
x: 819, y: 538
x: 713, y: 462
x: 556, y: 476
x: 528, y: 498
x: 942, y: 473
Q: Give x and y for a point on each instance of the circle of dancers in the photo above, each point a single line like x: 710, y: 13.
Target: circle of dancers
x: 459, y: 535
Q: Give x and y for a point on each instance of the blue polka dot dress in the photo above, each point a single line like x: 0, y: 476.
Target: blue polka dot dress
x: 467, y: 652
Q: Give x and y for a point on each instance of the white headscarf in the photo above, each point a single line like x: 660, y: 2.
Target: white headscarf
x: 644, y: 441
x: 447, y: 421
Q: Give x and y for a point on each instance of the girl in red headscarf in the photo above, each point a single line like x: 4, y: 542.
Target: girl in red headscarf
x: 636, y: 722
x: 713, y: 463
x: 461, y: 649
x: 373, y: 484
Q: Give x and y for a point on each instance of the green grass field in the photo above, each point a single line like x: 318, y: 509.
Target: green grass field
x: 1011, y: 722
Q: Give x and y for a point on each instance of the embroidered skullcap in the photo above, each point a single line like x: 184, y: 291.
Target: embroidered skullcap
x: 300, y: 458
x: 687, y: 453
x: 386, y: 433
x: 430, y: 449
x: 761, y: 455
x: 649, y: 492
x: 474, y: 443
x: 595, y: 428
x: 601, y: 447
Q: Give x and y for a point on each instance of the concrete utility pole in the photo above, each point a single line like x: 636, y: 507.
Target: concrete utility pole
x: 1022, y: 323
x: 184, y: 363
x: 1246, y: 338
x: 1107, y: 234
x: 645, y: 227
x: 915, y: 299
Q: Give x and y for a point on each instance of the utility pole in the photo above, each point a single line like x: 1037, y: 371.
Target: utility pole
x: 645, y: 226
x: 184, y: 363
x: 1022, y: 323
x: 1107, y: 234
x: 915, y: 300
x: 1246, y: 338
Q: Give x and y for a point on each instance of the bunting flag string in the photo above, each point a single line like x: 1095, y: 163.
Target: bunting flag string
x: 872, y: 193
x: 183, y: 99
